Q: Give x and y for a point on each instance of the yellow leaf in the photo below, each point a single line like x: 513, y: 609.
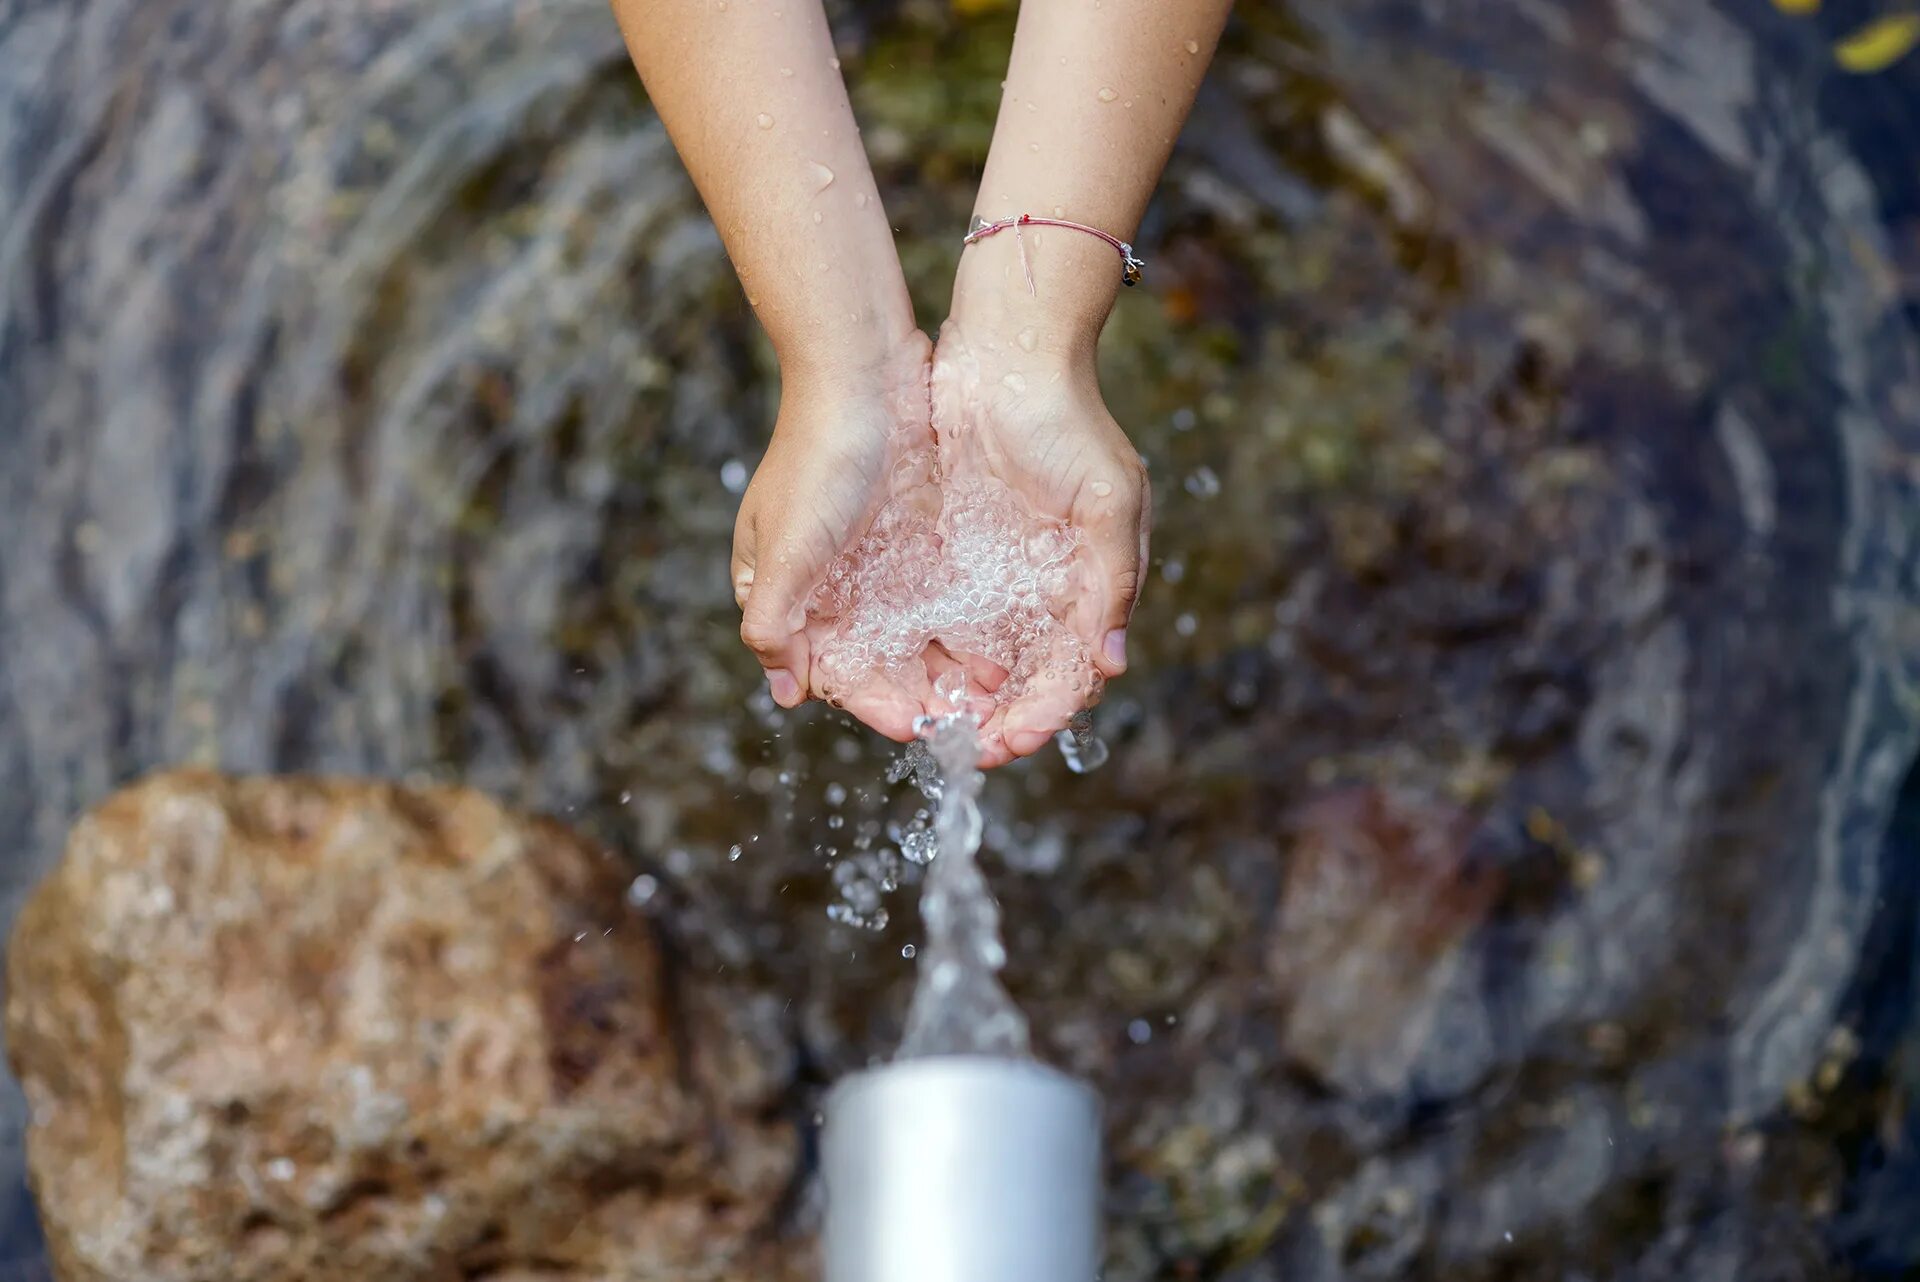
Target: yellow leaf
x: 1797, y: 6
x: 974, y: 8
x: 1879, y: 45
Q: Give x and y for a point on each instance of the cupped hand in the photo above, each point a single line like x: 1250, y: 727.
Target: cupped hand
x: 1037, y: 422
x: 833, y: 461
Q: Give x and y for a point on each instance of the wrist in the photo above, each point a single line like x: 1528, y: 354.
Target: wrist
x: 841, y: 386
x: 849, y: 352
x: 1060, y: 315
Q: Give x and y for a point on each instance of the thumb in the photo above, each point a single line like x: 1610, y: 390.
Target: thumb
x: 772, y: 615
x: 1118, y: 541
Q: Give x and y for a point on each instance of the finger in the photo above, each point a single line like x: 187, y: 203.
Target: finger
x: 891, y: 712
x: 982, y: 673
x: 941, y: 662
x: 878, y: 700
x: 1035, y: 717
x: 772, y: 624
x: 993, y: 743
x: 742, y: 569
x: 785, y: 669
x: 1118, y: 532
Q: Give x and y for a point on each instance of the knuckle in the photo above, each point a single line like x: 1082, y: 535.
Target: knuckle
x: 761, y: 635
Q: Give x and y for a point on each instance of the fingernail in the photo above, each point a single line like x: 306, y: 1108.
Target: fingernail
x: 1024, y: 743
x: 1116, y: 647
x: 785, y: 690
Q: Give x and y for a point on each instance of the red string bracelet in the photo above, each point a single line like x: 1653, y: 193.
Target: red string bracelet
x: 1131, y: 268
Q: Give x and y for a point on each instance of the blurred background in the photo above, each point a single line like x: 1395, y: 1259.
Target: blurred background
x: 1509, y: 861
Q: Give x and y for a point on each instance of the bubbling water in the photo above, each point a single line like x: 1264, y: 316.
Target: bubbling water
x: 984, y: 575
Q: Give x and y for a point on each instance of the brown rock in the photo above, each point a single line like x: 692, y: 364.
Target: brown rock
x: 287, y: 1029
x: 1379, y: 900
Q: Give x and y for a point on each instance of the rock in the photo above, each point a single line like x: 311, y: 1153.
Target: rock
x: 313, y: 1029
x: 1380, y: 897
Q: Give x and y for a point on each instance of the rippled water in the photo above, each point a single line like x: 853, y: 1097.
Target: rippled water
x: 1492, y: 876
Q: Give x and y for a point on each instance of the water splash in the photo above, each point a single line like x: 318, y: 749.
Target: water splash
x: 959, y: 1006
x: 1083, y: 750
x: 984, y: 575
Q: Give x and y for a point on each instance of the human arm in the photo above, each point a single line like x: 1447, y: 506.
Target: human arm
x: 751, y: 94
x: 1095, y: 95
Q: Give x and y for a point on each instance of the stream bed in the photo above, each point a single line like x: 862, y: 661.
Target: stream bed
x: 1501, y: 869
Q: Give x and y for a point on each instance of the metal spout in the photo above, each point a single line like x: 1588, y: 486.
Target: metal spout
x: 962, y: 1169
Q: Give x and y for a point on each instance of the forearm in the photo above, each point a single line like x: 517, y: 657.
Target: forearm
x: 751, y: 94
x: 1095, y: 96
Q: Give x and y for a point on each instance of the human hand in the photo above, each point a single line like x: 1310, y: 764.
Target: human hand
x: 1034, y: 419
x: 834, y: 459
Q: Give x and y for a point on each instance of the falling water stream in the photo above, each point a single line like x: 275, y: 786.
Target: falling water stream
x: 959, y: 1005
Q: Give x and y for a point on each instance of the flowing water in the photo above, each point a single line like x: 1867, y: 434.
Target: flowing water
x: 959, y: 1005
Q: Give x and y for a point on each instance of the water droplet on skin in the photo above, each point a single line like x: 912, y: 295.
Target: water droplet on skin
x: 1027, y: 340
x: 763, y: 120
x: 1059, y: 211
x: 752, y: 301
x: 818, y: 217
x: 1107, y: 94
x: 722, y: 6
x: 822, y: 176
x: 1015, y: 383
x: 733, y: 853
x: 1063, y: 60
x: 1032, y: 105
x: 1033, y: 146
x: 787, y: 72
x: 1128, y: 104
x: 834, y: 63
x: 1101, y: 489
x: 1193, y: 46
x: 860, y: 201
x: 907, y: 951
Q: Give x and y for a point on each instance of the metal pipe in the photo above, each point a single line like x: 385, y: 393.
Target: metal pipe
x: 962, y: 1169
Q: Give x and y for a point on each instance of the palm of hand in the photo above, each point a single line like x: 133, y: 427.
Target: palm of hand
x: 1044, y: 432
x: 838, y: 465
x: 834, y: 461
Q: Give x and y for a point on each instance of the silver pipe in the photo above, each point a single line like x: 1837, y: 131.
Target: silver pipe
x: 962, y: 1169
